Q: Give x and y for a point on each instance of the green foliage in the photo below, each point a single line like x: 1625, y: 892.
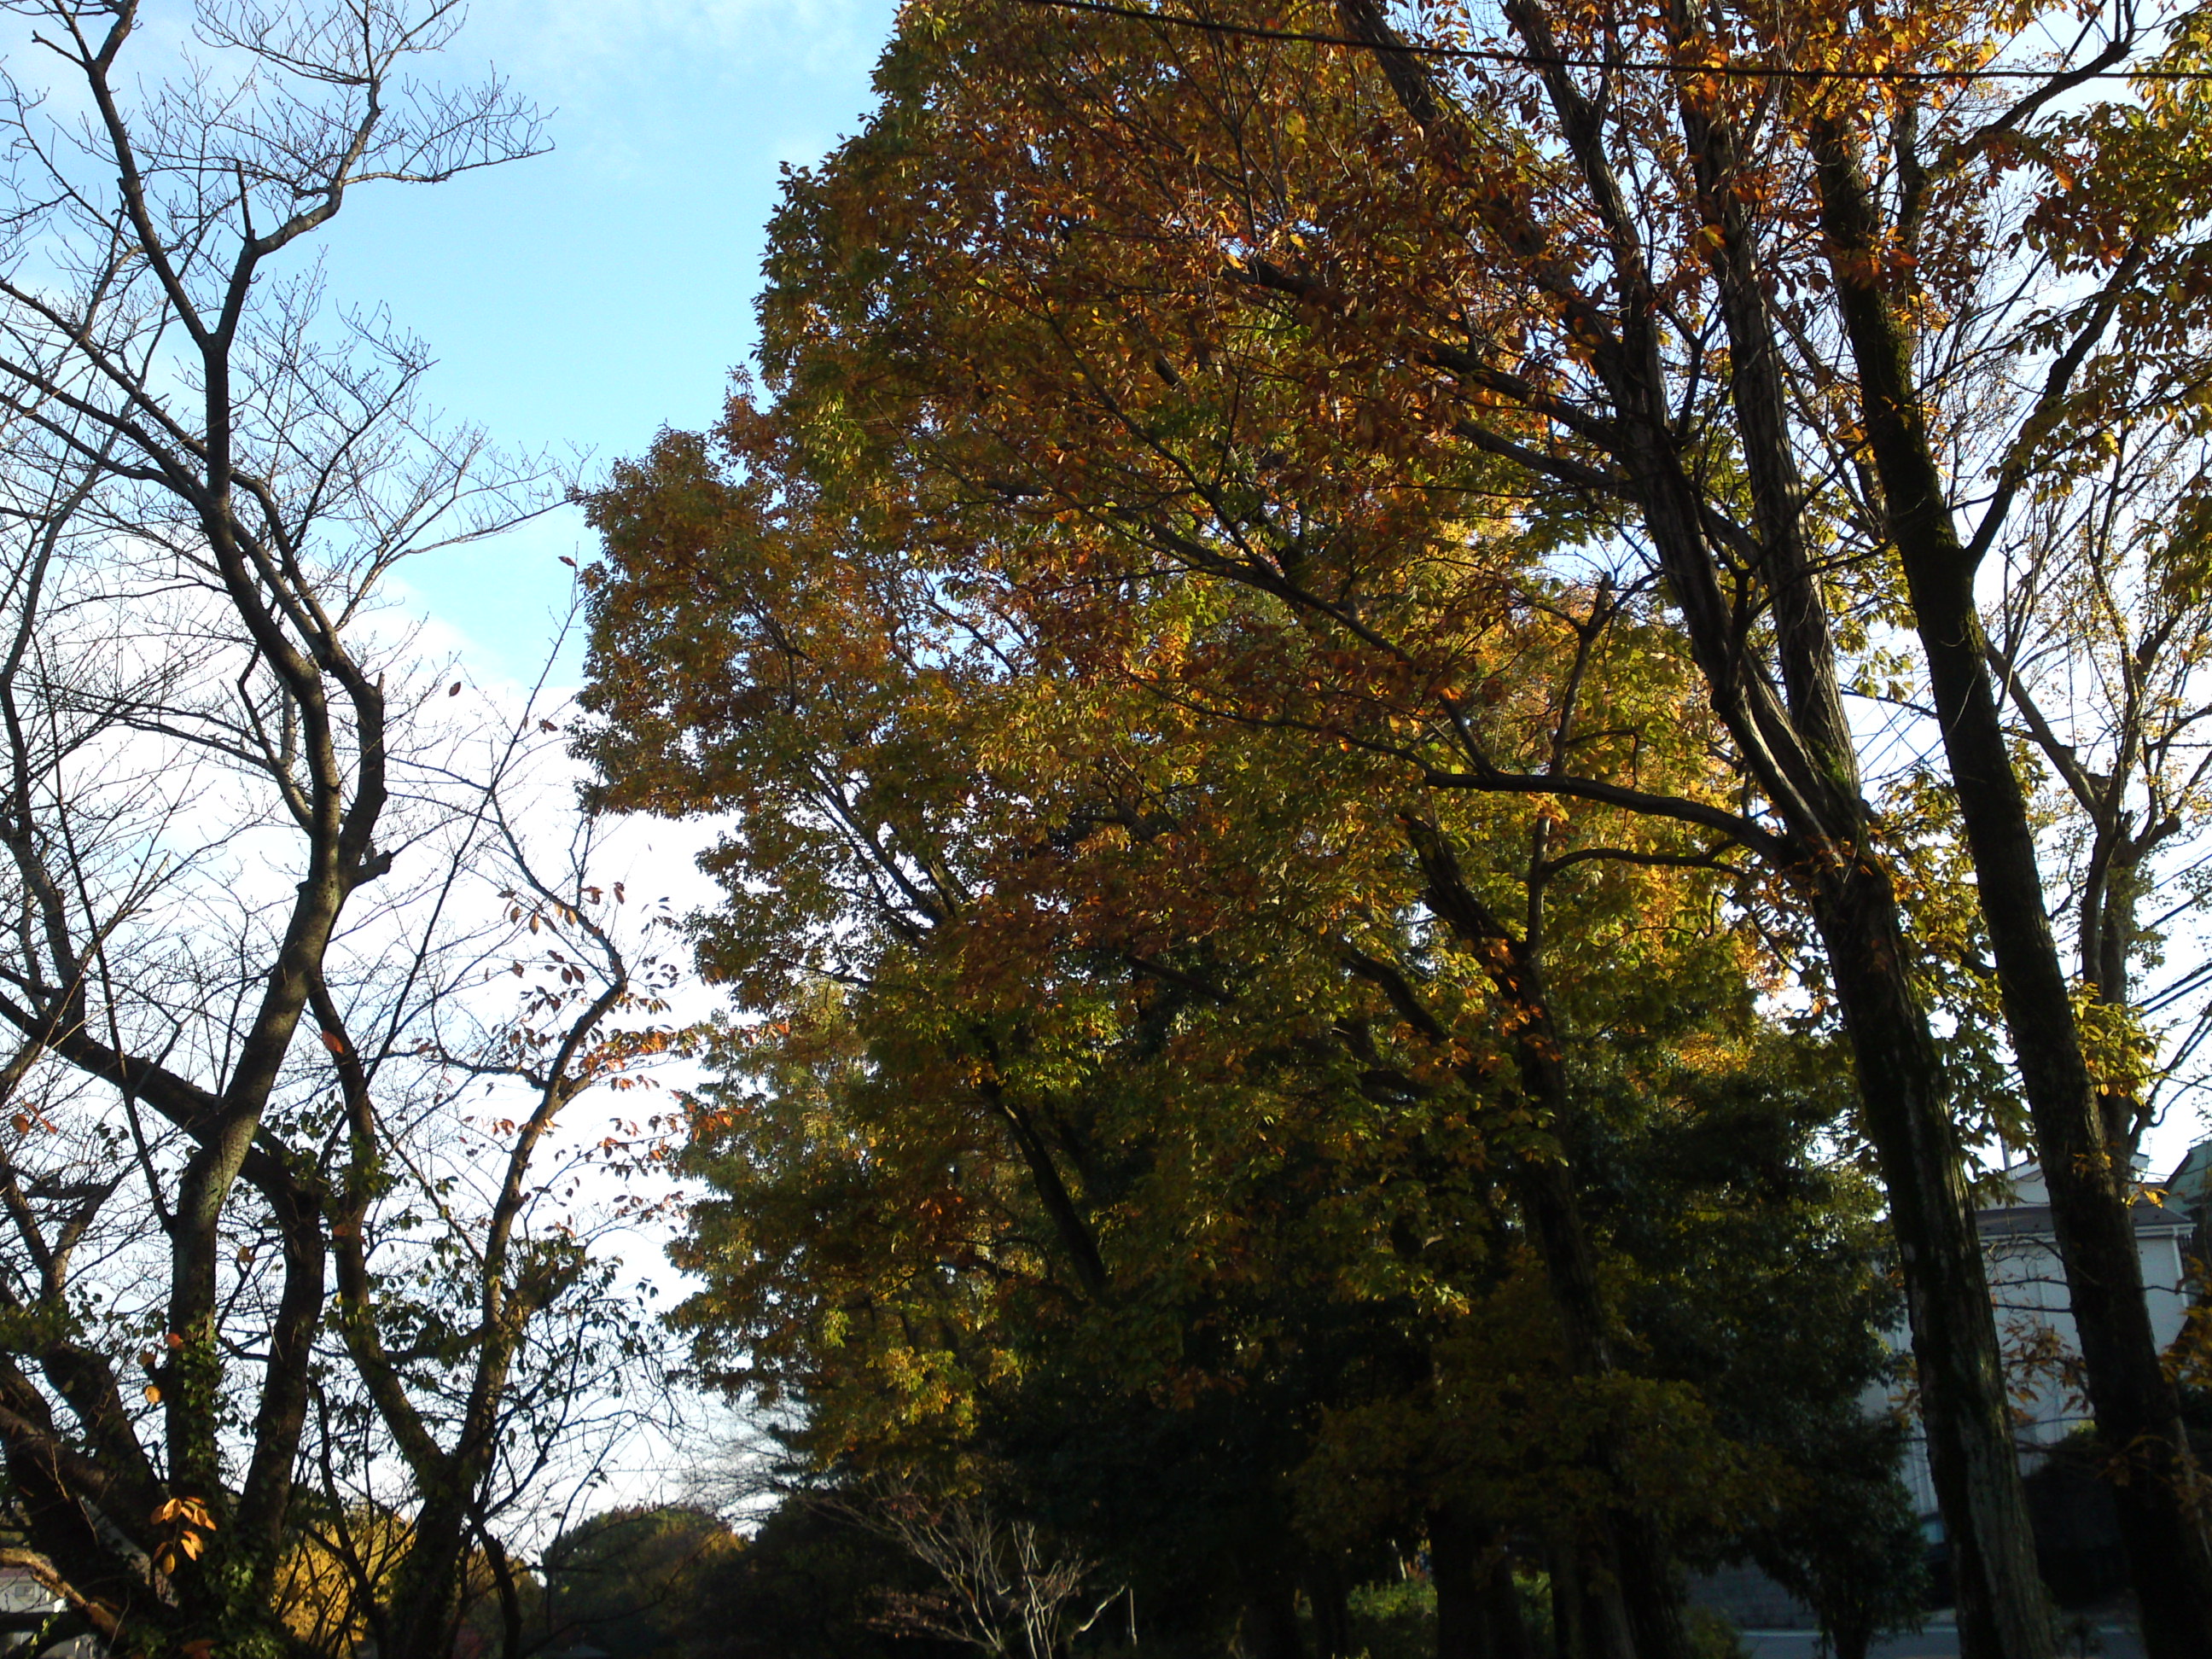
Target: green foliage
x: 1395, y: 1620
x: 802, y: 1587
x: 1169, y: 1133
x: 1715, y: 1636
x: 630, y: 1580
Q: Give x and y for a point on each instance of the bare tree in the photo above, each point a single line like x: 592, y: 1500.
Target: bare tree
x: 1004, y: 1586
x: 2102, y: 643
x: 233, y: 805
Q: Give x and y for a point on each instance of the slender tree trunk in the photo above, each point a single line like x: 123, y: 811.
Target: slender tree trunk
x: 1906, y: 1100
x: 1501, y: 1608
x: 2159, y: 1491
x: 1453, y: 1545
x: 2108, y: 943
x: 1804, y: 760
x: 1970, y: 1444
x: 1271, y: 1620
x: 1814, y: 785
x: 1331, y: 1599
x: 1637, y: 1615
x: 1569, y: 1640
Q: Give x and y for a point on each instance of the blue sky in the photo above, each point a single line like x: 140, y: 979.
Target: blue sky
x: 594, y: 295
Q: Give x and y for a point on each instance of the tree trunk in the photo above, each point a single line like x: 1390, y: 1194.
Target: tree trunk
x: 1453, y: 1545
x: 1803, y: 760
x: 1634, y: 1612
x: 1271, y: 1615
x: 1847, y: 1641
x: 1478, y: 1604
x: 2157, y: 1490
x: 1501, y: 1607
x: 1637, y: 1615
x: 1568, y: 1641
x: 1330, y: 1597
x: 1905, y: 1099
x: 1970, y: 1445
x: 425, y: 1609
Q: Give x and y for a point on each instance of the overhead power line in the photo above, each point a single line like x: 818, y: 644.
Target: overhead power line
x: 1658, y: 66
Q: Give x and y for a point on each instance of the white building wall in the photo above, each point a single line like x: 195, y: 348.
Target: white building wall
x: 2035, y: 1322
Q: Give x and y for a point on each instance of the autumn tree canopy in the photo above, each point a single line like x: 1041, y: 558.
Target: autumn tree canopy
x: 1744, y: 338
x: 1149, y: 1080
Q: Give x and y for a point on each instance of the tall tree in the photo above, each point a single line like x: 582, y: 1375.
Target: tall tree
x: 1122, y: 302
x: 1877, y: 236
x: 257, y: 874
x: 1110, y: 1027
x: 2099, y: 643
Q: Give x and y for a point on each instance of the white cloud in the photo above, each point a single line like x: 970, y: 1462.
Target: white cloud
x: 568, y: 50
